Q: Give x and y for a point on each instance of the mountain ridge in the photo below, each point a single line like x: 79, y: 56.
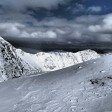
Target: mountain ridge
x: 15, y: 62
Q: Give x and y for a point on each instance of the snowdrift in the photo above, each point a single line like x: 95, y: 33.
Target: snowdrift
x: 85, y: 87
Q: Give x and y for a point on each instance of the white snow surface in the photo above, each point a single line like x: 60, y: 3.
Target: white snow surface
x: 52, y: 61
x: 85, y: 87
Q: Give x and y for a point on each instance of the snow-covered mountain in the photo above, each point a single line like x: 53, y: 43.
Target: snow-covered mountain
x: 11, y: 65
x: 74, y: 89
x: 57, y: 60
x: 15, y: 62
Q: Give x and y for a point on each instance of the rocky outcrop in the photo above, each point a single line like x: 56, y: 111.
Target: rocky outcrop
x: 11, y: 65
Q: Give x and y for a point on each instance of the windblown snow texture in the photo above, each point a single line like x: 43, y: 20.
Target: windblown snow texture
x: 85, y: 87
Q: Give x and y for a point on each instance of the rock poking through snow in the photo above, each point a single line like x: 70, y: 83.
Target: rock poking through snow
x: 11, y: 65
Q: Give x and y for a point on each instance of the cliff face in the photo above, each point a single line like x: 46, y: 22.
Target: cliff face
x: 11, y: 65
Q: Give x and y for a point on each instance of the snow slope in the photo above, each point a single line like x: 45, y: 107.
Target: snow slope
x: 52, y: 61
x: 85, y: 87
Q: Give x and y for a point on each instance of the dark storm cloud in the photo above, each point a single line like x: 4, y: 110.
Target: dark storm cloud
x: 66, y: 22
x: 83, y: 28
x: 22, y: 4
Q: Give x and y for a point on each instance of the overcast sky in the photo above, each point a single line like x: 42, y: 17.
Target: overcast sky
x: 66, y: 21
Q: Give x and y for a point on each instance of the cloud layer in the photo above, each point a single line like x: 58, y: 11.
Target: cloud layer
x: 84, y: 28
x: 16, y: 21
x: 22, y: 4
